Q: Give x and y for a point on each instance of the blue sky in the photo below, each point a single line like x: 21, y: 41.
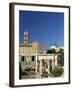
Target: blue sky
x: 44, y: 27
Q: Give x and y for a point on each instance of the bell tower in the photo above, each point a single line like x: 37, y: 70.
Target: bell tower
x: 25, y: 38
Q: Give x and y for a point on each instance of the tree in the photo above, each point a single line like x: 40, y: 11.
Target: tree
x: 57, y: 71
x: 51, y: 51
x: 61, y: 57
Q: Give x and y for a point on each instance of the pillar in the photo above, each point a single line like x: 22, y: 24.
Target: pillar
x: 56, y: 60
x: 48, y: 67
x: 40, y: 66
x: 53, y: 63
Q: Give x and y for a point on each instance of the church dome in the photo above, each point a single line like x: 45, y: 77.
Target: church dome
x: 52, y: 47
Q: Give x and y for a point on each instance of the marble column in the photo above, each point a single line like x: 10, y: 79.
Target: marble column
x: 40, y: 66
x: 48, y: 67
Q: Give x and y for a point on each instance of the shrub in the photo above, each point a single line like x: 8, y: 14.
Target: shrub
x: 57, y: 71
x: 24, y: 73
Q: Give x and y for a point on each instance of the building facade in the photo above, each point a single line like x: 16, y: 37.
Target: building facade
x: 33, y: 58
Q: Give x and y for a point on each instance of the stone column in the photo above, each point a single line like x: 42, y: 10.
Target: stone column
x: 48, y: 67
x: 40, y: 66
x: 52, y: 64
x: 55, y: 60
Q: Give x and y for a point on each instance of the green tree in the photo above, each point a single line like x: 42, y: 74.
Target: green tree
x: 61, y: 57
x: 51, y: 51
x: 57, y: 71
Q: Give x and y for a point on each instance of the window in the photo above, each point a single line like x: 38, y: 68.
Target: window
x: 33, y: 58
x: 22, y: 58
x: 25, y: 35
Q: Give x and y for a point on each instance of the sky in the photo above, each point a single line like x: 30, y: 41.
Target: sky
x: 46, y: 28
